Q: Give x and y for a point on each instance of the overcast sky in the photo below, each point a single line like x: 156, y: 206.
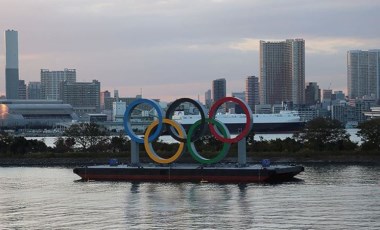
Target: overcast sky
x: 172, y: 49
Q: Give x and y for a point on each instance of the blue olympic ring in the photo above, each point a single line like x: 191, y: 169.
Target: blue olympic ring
x: 128, y: 114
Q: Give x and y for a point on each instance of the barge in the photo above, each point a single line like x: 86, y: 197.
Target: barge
x: 209, y: 170
x: 221, y: 173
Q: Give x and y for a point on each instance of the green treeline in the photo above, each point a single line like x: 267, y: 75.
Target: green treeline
x: 90, y: 139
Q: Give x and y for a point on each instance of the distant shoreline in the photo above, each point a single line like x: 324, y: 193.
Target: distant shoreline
x: 88, y: 161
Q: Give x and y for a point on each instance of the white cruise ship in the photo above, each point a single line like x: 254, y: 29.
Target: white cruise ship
x: 283, y: 122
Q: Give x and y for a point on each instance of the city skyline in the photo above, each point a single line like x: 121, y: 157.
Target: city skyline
x: 171, y: 49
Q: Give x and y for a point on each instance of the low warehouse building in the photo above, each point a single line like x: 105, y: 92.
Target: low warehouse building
x: 34, y: 114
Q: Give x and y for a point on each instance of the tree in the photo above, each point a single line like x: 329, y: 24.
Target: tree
x: 5, y: 141
x: 209, y: 143
x: 286, y: 145
x: 19, y: 145
x: 325, y: 134
x: 370, y: 134
x: 119, y: 143
x: 70, y: 143
x: 63, y: 145
x: 87, y: 135
x: 37, y: 146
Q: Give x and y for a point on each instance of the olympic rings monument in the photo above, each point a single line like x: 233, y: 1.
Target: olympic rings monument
x: 206, y: 169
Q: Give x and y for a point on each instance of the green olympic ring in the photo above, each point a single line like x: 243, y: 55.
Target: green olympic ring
x: 226, y: 146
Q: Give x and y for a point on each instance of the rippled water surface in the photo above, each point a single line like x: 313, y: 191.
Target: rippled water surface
x: 325, y: 197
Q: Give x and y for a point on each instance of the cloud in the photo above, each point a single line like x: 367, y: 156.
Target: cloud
x: 246, y: 44
x: 334, y: 45
x: 145, y: 42
x: 320, y: 45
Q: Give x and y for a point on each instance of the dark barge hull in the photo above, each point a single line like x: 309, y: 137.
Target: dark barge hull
x: 189, y: 173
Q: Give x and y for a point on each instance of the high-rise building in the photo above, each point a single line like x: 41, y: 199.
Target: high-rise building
x: 208, y: 100
x: 50, y: 82
x: 219, y: 89
x: 34, y: 90
x: 83, y: 96
x: 327, y: 94
x: 312, y: 93
x: 118, y: 110
x: 11, y: 64
x: 116, y: 94
x: 21, y: 90
x: 252, y: 91
x: 233, y: 107
x: 339, y: 95
x: 363, y: 73
x: 103, y: 96
x: 240, y: 95
x: 282, y: 71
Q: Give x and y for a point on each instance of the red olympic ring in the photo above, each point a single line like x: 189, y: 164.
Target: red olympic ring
x: 248, y: 124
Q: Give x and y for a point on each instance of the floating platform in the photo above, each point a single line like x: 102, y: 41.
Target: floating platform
x: 220, y: 173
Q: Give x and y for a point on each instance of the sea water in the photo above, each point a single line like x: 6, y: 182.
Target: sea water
x: 325, y: 196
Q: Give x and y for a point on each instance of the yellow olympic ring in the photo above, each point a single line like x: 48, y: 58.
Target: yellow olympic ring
x: 149, y: 148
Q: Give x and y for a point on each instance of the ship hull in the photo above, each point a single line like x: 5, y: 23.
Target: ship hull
x: 236, y: 128
x: 189, y: 173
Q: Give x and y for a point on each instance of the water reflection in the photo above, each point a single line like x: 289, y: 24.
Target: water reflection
x: 323, y: 197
